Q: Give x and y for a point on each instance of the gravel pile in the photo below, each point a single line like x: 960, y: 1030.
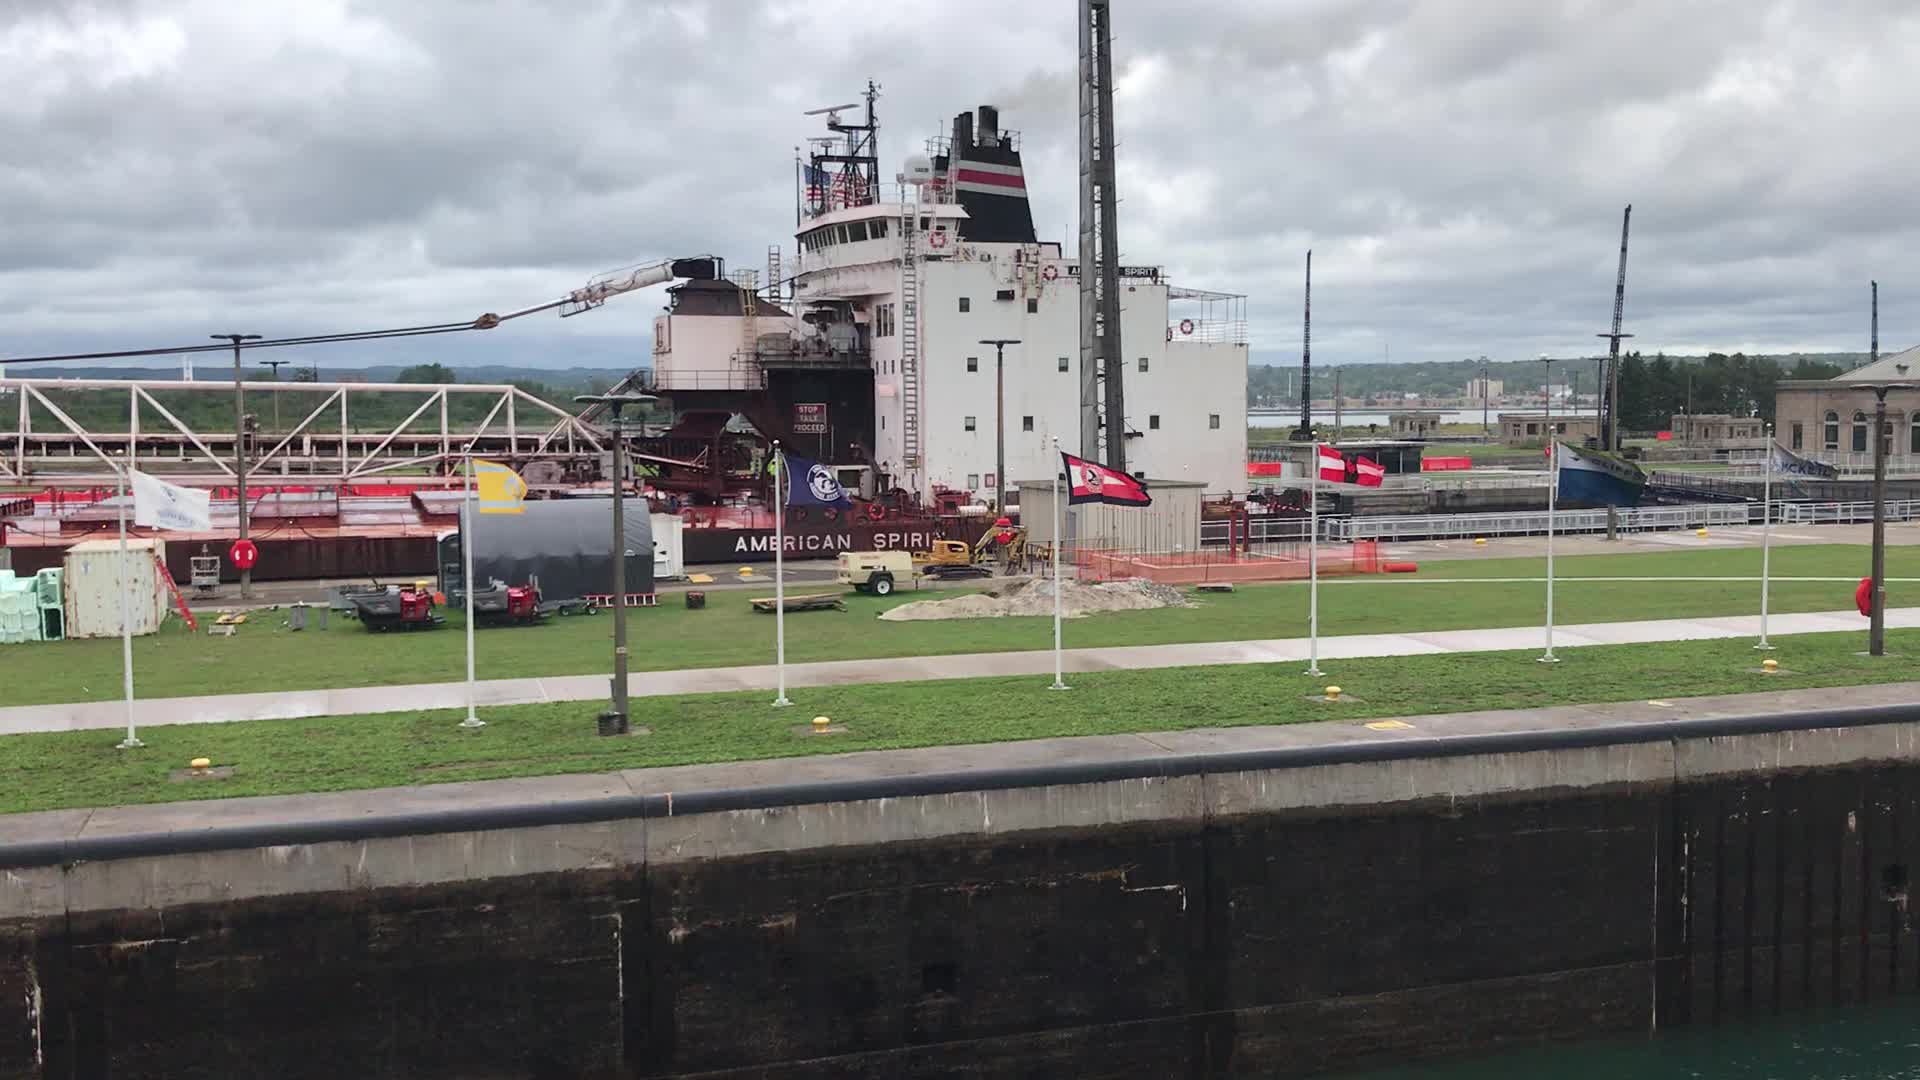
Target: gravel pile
x: 1036, y: 598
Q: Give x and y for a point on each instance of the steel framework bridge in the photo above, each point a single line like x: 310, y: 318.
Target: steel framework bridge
x: 321, y: 449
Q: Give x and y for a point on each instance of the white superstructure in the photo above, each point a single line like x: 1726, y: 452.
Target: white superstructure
x: 906, y: 281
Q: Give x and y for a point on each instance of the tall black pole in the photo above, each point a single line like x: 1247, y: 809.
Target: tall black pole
x: 1877, y: 628
x: 240, y: 447
x: 1485, y: 430
x: 1106, y: 182
x: 619, y: 574
x: 1305, y: 431
x: 1000, y: 419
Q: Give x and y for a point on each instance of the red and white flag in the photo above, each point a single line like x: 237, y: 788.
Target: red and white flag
x: 1089, y: 482
x: 1333, y: 467
x: 1371, y: 472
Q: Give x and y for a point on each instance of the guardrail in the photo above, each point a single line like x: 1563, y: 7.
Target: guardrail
x: 1531, y: 522
x: 1843, y: 513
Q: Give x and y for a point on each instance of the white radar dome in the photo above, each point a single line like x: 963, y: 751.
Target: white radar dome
x: 918, y: 169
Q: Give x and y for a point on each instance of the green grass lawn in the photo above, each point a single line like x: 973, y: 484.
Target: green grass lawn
x: 265, y: 657
x: 71, y: 769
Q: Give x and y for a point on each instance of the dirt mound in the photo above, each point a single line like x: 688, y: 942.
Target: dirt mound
x: 1036, y: 598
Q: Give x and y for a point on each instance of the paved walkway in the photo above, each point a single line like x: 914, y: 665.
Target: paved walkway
x: 379, y: 699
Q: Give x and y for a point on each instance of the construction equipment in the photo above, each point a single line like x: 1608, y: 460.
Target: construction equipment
x: 878, y: 572
x: 501, y: 604
x: 397, y: 607
x: 957, y: 558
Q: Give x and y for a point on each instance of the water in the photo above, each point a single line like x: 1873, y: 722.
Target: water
x: 1873, y: 1042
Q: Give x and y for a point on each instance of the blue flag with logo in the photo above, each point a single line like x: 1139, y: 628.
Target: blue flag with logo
x: 810, y: 483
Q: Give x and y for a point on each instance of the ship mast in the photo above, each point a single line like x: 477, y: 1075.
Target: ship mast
x: 1101, y: 355
x: 1610, y: 388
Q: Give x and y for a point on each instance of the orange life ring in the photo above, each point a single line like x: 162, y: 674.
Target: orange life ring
x: 938, y: 239
x: 1049, y: 271
x: 1863, y: 596
x: 875, y: 511
x: 1186, y: 326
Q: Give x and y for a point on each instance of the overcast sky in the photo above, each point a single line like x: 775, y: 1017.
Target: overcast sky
x: 169, y: 169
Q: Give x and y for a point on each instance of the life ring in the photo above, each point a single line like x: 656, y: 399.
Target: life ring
x: 875, y: 511
x: 1186, y: 326
x: 830, y: 514
x: 1863, y: 596
x: 1049, y: 272
x: 938, y: 239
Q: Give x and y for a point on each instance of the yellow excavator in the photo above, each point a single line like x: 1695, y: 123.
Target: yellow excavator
x: 1003, y: 543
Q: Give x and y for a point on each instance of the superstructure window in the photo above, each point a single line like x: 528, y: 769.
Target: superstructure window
x: 1213, y: 421
x: 1153, y: 422
x: 1143, y: 363
x: 1026, y: 424
x: 969, y: 423
x: 877, y: 228
x: 973, y: 480
x: 966, y: 303
x: 1033, y: 305
x: 1831, y: 437
x: 973, y: 363
x: 1063, y: 363
x: 857, y: 231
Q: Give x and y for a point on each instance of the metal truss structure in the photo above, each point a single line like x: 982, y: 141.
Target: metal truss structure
x: 323, y: 449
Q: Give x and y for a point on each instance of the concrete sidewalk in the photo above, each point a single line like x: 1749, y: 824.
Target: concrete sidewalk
x: 379, y: 699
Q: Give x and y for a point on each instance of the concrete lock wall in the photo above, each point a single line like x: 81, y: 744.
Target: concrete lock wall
x: 1271, y: 914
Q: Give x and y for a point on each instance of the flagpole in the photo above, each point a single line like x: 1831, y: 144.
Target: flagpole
x: 1059, y: 538
x: 1553, y: 497
x: 132, y: 741
x: 468, y: 518
x: 779, y: 574
x: 1313, y: 562
x: 1766, y: 540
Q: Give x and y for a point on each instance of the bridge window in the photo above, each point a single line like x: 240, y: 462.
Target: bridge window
x: 857, y: 231
x: 1859, y: 433
x: 1830, y: 438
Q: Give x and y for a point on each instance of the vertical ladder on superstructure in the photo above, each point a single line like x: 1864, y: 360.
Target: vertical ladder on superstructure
x: 745, y: 366
x: 909, y: 333
x: 774, y: 279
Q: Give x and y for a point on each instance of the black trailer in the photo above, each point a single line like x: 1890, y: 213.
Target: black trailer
x: 564, y: 547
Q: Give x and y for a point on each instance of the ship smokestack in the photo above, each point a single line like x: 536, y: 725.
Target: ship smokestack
x: 989, y: 125
x: 983, y: 167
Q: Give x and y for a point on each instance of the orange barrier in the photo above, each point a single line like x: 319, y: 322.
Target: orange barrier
x: 1288, y: 563
x: 1445, y: 464
x: 1266, y: 468
x: 1400, y: 568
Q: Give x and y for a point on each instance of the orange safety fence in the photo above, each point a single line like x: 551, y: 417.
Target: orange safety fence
x: 1281, y: 562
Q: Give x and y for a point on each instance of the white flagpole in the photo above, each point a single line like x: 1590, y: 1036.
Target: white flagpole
x: 1553, y: 498
x: 1059, y: 538
x: 1313, y: 562
x: 132, y: 741
x: 469, y: 509
x: 1766, y: 540
x: 779, y: 573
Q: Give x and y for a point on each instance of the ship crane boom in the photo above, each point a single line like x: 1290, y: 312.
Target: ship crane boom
x: 611, y: 284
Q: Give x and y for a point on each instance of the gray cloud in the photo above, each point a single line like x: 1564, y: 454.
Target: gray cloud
x: 1458, y: 168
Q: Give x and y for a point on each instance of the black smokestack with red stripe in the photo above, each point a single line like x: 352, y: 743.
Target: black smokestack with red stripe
x: 983, y: 164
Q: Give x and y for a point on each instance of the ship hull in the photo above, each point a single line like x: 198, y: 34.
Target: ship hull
x: 715, y: 545
x: 1592, y: 482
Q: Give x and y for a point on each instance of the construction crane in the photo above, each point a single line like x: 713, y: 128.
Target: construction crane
x: 1610, y: 428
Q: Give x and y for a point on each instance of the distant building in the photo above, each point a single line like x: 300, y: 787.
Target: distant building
x: 1827, y: 419
x: 1718, y: 429
x: 1481, y: 389
x: 1531, y: 428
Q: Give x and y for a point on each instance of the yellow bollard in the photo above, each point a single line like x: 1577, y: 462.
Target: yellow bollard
x: 820, y: 723
x: 1333, y: 693
x: 1771, y: 667
x: 745, y: 571
x: 200, y: 763
x: 1479, y: 541
x: 1701, y: 532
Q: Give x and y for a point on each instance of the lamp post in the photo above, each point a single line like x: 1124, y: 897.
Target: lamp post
x: 1485, y: 430
x: 1000, y: 420
x: 275, y: 366
x: 615, y: 722
x: 1548, y: 361
x: 1877, y: 625
x: 240, y: 446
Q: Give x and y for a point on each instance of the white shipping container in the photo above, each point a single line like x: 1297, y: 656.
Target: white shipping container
x: 92, y: 587
x: 669, y: 549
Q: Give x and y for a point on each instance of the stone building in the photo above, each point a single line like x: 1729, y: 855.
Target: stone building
x: 1828, y: 419
x: 1530, y: 428
x: 1414, y: 424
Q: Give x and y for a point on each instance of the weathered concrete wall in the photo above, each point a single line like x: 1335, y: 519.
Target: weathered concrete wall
x: 1257, y: 922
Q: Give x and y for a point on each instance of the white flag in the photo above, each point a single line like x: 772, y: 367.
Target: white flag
x: 160, y: 505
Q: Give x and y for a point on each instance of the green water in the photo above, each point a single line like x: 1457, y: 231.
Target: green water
x: 1878, y: 1042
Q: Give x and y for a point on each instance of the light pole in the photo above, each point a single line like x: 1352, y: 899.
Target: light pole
x: 1000, y: 420
x: 240, y: 446
x: 275, y: 366
x: 1486, y: 432
x: 615, y: 722
x: 1877, y: 626
x: 1548, y: 361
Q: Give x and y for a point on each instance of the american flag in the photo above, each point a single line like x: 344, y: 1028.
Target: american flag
x: 817, y: 182
x: 835, y: 189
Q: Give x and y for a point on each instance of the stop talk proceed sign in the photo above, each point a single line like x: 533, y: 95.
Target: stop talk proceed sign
x: 243, y: 554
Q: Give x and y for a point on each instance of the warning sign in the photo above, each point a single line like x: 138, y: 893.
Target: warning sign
x: 809, y: 418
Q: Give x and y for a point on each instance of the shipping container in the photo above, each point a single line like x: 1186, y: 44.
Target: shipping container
x: 93, y: 587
